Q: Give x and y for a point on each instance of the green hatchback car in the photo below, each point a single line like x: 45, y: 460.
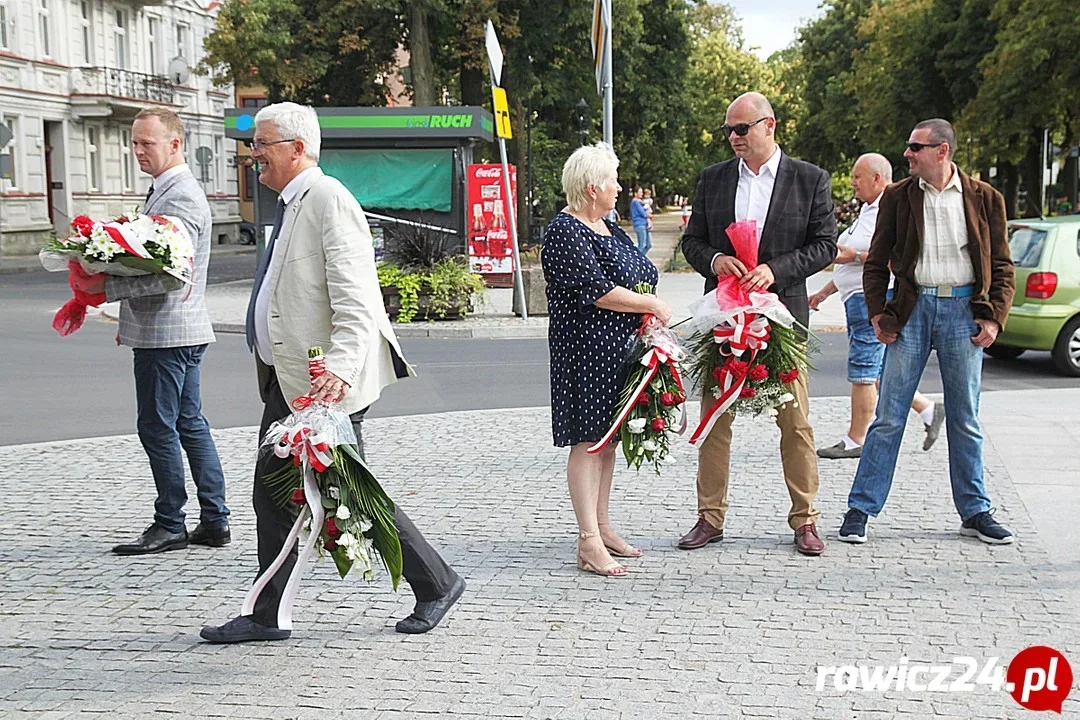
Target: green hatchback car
x: 1046, y: 310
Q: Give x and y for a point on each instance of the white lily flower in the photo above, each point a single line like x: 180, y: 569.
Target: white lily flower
x: 637, y: 425
x: 346, y: 540
x: 343, y: 513
x: 650, y: 445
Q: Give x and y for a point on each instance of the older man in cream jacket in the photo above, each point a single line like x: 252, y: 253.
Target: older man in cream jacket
x: 316, y: 285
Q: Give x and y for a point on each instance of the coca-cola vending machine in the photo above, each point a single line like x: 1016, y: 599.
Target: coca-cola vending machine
x: 490, y: 251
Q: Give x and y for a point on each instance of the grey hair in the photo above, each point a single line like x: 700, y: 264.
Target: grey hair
x: 588, y: 165
x: 941, y: 131
x: 294, y: 121
x: 759, y: 102
x: 877, y: 163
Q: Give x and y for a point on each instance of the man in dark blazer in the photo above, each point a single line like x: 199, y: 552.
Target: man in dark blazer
x: 944, y: 237
x: 791, y: 201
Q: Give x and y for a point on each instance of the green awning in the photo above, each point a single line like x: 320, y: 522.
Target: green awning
x: 407, y: 179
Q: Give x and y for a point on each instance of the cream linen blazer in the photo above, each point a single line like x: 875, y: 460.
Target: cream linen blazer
x: 324, y: 291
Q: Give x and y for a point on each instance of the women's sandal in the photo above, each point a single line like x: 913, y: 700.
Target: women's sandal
x: 612, y: 569
x: 626, y: 551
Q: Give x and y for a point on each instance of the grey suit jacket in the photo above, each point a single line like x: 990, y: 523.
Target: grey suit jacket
x: 799, y: 237
x: 158, y: 311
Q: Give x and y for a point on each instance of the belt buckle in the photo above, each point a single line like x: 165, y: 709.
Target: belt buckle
x: 944, y: 291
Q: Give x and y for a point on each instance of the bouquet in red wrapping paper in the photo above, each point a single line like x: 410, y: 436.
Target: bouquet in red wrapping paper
x: 746, y: 348
x: 651, y: 408
x: 343, y: 509
x: 134, y: 244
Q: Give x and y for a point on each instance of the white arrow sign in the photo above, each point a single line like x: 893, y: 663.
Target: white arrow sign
x: 495, y: 53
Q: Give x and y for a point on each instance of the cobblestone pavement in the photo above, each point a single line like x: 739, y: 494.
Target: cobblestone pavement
x: 734, y: 630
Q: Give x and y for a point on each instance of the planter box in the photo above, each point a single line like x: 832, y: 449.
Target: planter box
x: 532, y: 278
x: 459, y: 307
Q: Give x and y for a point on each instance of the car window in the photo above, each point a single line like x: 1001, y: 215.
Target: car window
x: 1026, y: 245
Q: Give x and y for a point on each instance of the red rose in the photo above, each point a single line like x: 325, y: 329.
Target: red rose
x: 680, y: 399
x: 332, y: 528
x: 123, y: 220
x: 658, y: 424
x: 298, y: 497
x: 747, y: 392
x: 790, y: 376
x: 759, y: 372
x: 330, y: 545
x: 82, y: 225
x: 668, y: 399
x: 643, y: 399
x: 718, y: 375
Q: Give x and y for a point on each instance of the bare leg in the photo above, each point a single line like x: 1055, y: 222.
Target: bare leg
x: 615, y: 544
x: 585, y: 473
x: 920, y: 403
x: 863, y: 402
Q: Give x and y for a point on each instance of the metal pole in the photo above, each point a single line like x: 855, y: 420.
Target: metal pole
x: 1042, y: 172
x: 511, y: 220
x: 609, y: 131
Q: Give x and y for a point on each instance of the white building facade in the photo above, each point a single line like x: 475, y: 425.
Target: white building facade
x: 73, y: 74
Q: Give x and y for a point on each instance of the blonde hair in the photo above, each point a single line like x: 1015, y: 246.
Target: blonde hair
x: 169, y: 119
x: 588, y: 165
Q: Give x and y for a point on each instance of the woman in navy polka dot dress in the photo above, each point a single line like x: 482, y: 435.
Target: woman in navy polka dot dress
x: 591, y: 267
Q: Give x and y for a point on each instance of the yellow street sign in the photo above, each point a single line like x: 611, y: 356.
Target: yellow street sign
x: 502, y: 113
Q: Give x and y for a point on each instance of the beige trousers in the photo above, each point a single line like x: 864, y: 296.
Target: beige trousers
x: 796, y: 452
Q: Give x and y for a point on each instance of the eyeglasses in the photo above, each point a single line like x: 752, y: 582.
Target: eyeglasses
x: 741, y: 129
x: 916, y: 147
x: 258, y: 146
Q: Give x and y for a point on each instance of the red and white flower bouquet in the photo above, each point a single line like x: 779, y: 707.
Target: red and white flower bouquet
x: 746, y: 348
x: 134, y: 244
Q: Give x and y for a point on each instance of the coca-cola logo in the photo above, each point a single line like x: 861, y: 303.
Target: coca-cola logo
x: 488, y: 172
x: 498, y: 235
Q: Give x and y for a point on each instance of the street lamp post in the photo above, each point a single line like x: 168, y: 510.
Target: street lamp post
x: 581, y: 114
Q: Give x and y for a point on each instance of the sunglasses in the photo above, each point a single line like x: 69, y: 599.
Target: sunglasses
x: 741, y: 129
x: 916, y: 147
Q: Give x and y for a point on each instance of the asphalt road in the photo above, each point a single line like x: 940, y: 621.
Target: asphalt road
x: 81, y: 386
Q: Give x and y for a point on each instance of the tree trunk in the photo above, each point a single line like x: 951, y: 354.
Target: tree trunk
x: 1072, y: 165
x: 423, y: 71
x: 1032, y: 170
x: 1010, y: 188
x: 472, y: 86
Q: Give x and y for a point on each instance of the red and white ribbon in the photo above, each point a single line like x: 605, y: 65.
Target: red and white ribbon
x: 652, y: 359
x: 744, y: 332
x: 124, y: 236
x: 302, y: 443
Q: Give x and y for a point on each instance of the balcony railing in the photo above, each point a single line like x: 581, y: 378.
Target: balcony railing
x: 119, y: 83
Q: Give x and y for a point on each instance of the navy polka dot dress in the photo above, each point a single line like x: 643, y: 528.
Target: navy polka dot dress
x: 588, y: 345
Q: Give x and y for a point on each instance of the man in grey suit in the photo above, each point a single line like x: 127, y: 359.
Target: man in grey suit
x: 168, y: 328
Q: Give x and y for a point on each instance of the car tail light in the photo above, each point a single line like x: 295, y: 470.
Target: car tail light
x: 1041, y: 285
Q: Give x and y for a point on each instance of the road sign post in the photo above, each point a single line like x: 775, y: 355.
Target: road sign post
x: 5, y: 172
x: 503, y: 130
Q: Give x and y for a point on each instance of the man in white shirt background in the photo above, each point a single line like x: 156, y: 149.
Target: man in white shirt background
x: 870, y: 175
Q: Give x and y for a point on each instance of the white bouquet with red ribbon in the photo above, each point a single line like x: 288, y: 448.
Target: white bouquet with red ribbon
x: 343, y: 509
x: 134, y: 244
x: 651, y: 408
x: 746, y: 348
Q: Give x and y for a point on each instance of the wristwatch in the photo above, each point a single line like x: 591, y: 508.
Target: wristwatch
x: 858, y: 257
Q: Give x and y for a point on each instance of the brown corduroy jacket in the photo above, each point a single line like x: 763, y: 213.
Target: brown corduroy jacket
x: 898, y: 241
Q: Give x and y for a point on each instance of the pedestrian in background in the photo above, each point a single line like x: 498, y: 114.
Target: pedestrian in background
x: 870, y: 175
x: 167, y: 326
x: 943, y: 235
x: 639, y: 218
x: 592, y: 269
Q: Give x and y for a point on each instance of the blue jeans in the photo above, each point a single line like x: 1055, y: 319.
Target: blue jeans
x: 170, y: 418
x: 644, y: 238
x: 865, y: 351
x: 947, y: 326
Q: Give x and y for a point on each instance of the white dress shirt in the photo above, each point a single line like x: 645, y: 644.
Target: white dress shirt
x: 754, y: 192
x: 848, y: 276
x: 174, y: 170
x: 945, y: 259
x: 262, y: 300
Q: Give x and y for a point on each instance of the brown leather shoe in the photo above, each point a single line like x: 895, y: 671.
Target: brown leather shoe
x: 702, y: 534
x: 807, y: 540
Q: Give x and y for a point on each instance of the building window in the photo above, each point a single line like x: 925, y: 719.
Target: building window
x: 253, y: 103
x: 127, y: 160
x: 44, y: 28
x: 183, y: 42
x: 86, y: 21
x: 93, y: 158
x: 5, y: 25
x: 120, y: 32
x: 9, y: 152
x: 153, y: 55
x: 249, y: 182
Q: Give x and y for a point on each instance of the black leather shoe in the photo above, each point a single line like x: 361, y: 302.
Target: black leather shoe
x: 242, y: 629
x: 427, y: 613
x: 214, y: 537
x: 155, y: 539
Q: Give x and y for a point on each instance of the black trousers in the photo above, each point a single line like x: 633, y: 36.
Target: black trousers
x: 426, y: 572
